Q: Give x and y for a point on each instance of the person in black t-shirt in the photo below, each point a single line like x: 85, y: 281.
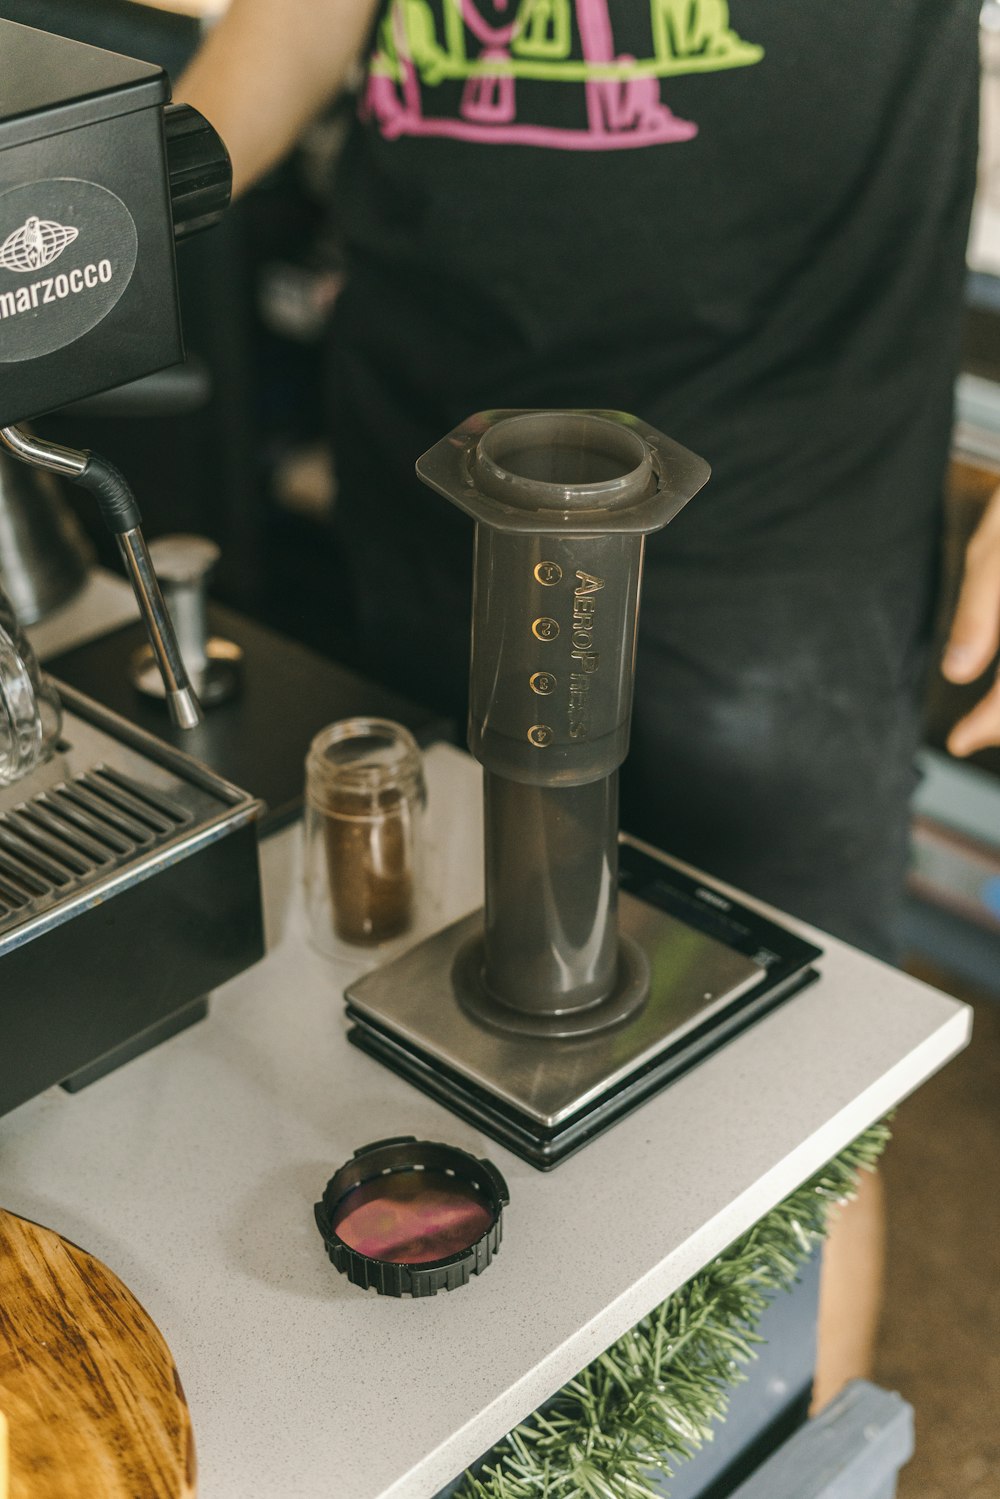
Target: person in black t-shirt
x: 746, y: 224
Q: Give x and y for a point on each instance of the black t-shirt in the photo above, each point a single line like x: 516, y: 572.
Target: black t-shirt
x: 745, y: 223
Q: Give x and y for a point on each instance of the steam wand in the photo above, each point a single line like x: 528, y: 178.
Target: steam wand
x: 121, y: 515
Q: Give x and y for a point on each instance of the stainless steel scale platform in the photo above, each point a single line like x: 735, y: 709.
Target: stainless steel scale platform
x: 716, y: 966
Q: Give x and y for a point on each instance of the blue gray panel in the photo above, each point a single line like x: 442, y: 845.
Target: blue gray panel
x: 853, y: 1450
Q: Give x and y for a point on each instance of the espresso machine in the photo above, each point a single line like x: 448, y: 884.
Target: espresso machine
x: 129, y: 881
x: 599, y: 969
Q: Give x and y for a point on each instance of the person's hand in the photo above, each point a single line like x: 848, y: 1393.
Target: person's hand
x: 975, y: 634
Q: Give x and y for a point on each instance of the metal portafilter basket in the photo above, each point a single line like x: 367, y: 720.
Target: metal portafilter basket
x: 563, y: 501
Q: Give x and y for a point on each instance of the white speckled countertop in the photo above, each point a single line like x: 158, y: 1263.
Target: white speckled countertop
x: 192, y: 1172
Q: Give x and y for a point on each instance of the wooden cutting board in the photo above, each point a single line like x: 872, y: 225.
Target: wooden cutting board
x: 93, y: 1404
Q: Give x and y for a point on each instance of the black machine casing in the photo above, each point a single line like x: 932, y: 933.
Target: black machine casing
x: 88, y: 295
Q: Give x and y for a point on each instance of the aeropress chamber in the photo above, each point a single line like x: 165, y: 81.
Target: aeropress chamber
x: 589, y: 979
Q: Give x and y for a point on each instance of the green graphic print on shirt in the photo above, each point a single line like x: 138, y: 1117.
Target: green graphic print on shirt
x: 421, y: 44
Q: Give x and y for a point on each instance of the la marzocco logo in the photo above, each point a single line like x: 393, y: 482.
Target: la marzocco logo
x: 68, y: 250
x: 35, y: 245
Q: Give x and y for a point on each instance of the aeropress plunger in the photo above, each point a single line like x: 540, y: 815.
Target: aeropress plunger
x: 567, y: 1000
x: 563, y: 501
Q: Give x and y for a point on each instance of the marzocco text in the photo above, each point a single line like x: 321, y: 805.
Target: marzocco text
x: 54, y: 288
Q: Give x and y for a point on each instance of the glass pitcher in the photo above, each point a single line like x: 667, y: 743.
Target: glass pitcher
x: 30, y: 713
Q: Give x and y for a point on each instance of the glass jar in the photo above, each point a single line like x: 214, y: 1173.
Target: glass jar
x: 365, y: 804
x: 30, y: 712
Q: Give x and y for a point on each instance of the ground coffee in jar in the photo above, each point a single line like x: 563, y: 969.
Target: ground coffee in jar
x: 365, y: 800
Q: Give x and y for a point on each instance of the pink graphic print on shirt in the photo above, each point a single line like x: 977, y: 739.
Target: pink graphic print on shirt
x: 570, y: 42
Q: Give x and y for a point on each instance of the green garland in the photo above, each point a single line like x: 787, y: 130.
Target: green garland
x: 655, y: 1394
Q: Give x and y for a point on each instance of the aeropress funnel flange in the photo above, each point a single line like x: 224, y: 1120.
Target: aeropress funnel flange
x: 514, y: 1005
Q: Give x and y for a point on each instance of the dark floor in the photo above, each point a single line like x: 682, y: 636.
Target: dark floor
x: 940, y: 1341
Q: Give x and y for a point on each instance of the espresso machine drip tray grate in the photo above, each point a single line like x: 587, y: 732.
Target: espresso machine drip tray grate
x: 66, y: 839
x: 100, y: 814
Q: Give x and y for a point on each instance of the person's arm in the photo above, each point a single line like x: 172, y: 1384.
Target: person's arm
x: 975, y: 634
x: 267, y: 68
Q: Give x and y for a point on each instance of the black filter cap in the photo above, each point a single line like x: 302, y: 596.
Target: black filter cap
x: 412, y: 1217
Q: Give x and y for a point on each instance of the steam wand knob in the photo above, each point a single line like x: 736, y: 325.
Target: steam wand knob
x: 121, y: 515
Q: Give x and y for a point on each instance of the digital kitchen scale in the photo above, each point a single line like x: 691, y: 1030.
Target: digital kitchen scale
x: 716, y: 966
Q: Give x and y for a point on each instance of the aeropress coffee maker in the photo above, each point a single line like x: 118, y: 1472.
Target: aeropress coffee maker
x: 599, y: 969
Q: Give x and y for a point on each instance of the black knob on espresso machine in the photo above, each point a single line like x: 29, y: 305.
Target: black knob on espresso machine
x: 199, y: 171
